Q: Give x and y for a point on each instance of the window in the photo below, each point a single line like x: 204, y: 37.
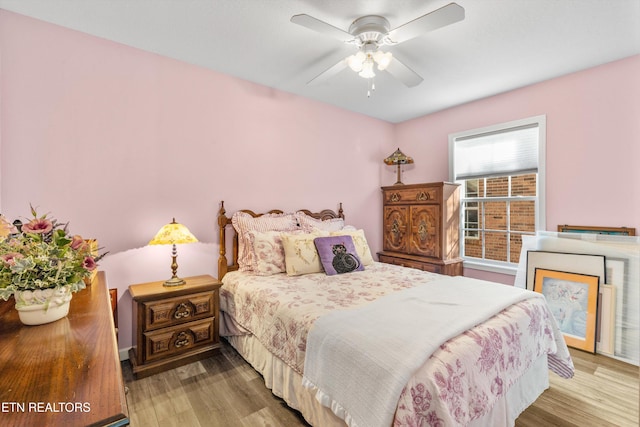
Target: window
x: 471, y: 224
x: 501, y: 172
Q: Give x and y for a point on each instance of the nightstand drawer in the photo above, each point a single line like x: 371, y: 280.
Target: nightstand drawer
x: 174, y: 311
x: 178, y: 339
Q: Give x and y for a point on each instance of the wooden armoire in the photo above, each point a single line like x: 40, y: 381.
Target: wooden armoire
x: 421, y: 227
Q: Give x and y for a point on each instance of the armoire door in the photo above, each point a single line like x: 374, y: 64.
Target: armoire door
x: 396, y: 228
x: 425, y: 230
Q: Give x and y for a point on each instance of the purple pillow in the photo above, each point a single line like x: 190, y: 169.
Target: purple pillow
x: 338, y: 254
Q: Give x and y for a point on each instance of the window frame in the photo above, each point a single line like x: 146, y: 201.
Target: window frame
x: 466, y: 231
x: 540, y: 213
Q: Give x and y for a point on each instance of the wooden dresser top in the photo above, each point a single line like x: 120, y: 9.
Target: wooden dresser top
x: 66, y: 372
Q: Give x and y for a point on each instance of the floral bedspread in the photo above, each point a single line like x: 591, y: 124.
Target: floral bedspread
x: 279, y: 309
x: 458, y: 383
x: 468, y: 374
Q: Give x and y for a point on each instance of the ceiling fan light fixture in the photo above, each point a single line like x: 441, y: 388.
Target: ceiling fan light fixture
x: 356, y: 61
x: 382, y: 59
x: 367, y: 69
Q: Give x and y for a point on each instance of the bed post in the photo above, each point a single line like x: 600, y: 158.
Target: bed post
x: 222, y: 225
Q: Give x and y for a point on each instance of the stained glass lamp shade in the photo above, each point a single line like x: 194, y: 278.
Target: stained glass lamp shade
x: 398, y: 158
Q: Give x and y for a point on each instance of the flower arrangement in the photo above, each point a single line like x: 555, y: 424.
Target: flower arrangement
x: 41, y: 256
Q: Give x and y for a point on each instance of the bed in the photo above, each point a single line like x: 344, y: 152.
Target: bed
x: 379, y: 344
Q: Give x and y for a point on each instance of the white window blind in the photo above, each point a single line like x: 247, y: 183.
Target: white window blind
x: 512, y: 151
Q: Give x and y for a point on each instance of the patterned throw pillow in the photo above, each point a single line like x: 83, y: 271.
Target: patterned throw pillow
x: 267, y: 252
x: 300, y: 254
x: 338, y: 254
x: 244, y: 222
x: 360, y: 242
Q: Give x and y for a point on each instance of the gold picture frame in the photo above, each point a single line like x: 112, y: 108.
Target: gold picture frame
x: 573, y: 300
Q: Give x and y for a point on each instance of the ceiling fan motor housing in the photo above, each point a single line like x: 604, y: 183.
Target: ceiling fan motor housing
x: 369, y: 29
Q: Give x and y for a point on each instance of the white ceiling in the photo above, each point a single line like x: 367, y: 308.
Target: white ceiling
x: 499, y: 46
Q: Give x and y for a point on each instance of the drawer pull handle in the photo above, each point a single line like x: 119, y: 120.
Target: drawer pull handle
x: 182, y: 340
x: 395, y: 197
x: 422, y: 196
x: 182, y: 311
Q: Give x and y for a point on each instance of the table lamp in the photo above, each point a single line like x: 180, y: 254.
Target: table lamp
x: 398, y: 158
x: 172, y: 234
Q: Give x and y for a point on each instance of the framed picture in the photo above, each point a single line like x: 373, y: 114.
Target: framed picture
x: 594, y: 265
x: 606, y: 320
x: 618, y: 231
x: 616, y: 271
x: 573, y: 300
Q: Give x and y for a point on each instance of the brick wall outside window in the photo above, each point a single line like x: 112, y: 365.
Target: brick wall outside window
x: 521, y: 218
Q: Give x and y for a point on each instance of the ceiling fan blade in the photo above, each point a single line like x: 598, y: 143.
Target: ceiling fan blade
x: 403, y: 73
x: 328, y: 73
x: 321, y: 27
x: 439, y: 18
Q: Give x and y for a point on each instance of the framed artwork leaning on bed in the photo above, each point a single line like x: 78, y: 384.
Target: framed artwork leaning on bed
x: 573, y: 300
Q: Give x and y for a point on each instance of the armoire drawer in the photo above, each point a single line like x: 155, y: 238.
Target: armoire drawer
x: 411, y: 195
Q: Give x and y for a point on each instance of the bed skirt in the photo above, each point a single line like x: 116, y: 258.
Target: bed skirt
x: 286, y: 383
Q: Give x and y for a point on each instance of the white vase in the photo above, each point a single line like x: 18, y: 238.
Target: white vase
x: 42, y: 306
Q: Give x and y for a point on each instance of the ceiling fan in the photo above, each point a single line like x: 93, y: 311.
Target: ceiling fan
x: 369, y: 33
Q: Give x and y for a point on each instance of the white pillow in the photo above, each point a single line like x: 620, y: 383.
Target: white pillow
x: 311, y: 224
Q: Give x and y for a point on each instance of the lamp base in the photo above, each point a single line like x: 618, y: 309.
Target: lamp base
x: 399, y: 181
x: 174, y: 281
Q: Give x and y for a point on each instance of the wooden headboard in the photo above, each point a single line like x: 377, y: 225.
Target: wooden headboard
x: 224, y: 221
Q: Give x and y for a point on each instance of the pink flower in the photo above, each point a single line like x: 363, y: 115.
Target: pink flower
x: 37, y: 226
x: 89, y: 263
x: 77, y: 242
x: 497, y: 386
x: 10, y: 257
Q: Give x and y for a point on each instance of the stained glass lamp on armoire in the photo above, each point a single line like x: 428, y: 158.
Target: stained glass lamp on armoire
x: 398, y: 158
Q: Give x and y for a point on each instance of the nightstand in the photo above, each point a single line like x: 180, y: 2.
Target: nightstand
x: 173, y: 326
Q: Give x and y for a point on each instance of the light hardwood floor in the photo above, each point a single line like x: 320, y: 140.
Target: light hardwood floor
x: 224, y: 390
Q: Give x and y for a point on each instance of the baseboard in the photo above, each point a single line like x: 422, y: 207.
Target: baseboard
x: 123, y: 353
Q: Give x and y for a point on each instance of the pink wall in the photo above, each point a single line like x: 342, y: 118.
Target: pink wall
x: 118, y: 141
x: 593, y: 143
